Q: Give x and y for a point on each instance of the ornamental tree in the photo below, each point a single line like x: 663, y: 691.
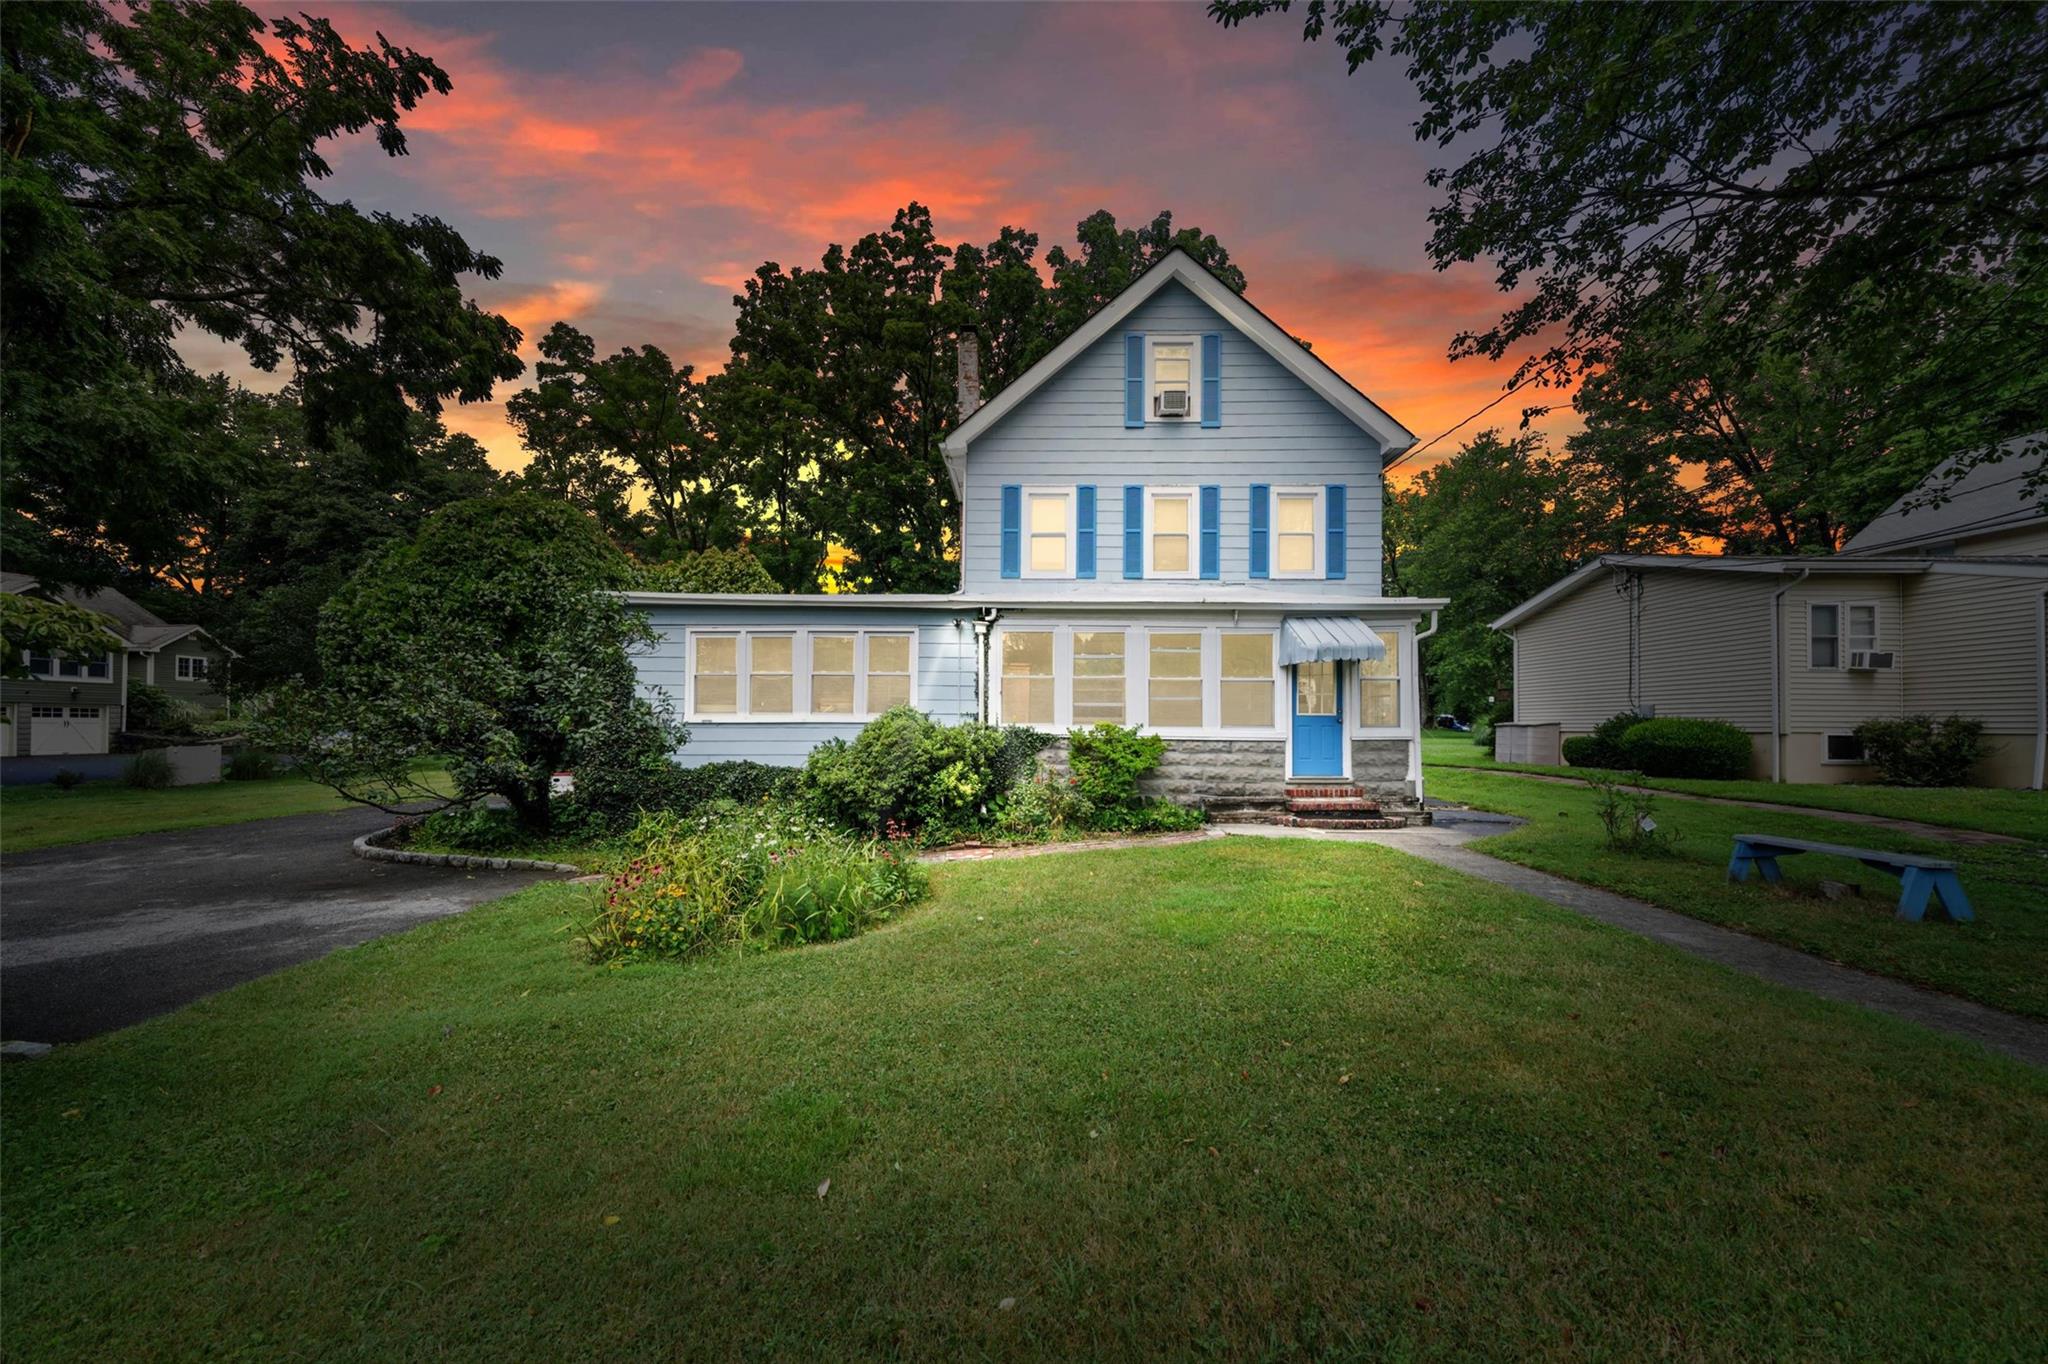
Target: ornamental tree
x: 494, y: 640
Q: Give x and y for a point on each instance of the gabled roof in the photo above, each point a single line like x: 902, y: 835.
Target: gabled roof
x: 1179, y: 266
x: 131, y: 622
x: 1990, y: 497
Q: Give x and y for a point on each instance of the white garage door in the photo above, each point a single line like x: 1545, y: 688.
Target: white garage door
x: 54, y: 730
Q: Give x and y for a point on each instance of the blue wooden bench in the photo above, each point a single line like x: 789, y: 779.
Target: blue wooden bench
x: 1920, y: 878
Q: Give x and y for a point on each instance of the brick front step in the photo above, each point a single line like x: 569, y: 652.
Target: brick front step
x: 1334, y: 805
x: 1324, y: 791
x: 1345, y: 822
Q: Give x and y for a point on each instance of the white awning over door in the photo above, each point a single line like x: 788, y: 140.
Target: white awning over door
x: 1307, y: 639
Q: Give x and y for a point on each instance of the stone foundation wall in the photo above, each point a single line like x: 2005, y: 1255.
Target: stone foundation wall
x: 1381, y: 767
x: 1207, y: 771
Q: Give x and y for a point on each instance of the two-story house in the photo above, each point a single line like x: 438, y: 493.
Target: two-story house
x: 1171, y: 521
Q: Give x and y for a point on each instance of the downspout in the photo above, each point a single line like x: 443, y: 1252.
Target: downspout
x: 1415, y: 730
x: 2041, y: 701
x: 1778, y: 675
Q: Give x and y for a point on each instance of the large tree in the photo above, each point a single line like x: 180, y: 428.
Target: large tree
x: 625, y: 436
x: 1814, y: 165
x: 158, y: 164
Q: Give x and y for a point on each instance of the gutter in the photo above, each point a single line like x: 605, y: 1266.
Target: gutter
x: 1778, y: 675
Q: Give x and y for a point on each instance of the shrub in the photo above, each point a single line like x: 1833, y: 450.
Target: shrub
x: 152, y: 710
x: 708, y: 570
x: 1109, y: 759
x: 64, y: 779
x: 1922, y: 751
x: 250, y: 764
x: 1483, y: 734
x: 1625, y: 812
x: 150, y: 770
x: 734, y: 877
x: 1152, y: 817
x: 1675, y: 747
x: 471, y: 829
x: 743, y: 783
x: 1044, y: 807
x: 1603, y: 747
x: 904, y: 769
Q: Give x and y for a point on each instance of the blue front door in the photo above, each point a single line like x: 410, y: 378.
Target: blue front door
x: 1318, y: 721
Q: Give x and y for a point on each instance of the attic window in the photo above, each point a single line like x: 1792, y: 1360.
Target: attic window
x: 1175, y: 381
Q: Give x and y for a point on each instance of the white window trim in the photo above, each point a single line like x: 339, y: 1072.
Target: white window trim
x: 1404, y: 654
x: 1841, y: 609
x: 1280, y: 716
x: 1024, y: 530
x: 1194, y: 568
x: 800, y: 673
x: 1319, y: 535
x: 1195, y: 376
x: 1826, y: 761
x: 1138, y: 675
x: 202, y: 675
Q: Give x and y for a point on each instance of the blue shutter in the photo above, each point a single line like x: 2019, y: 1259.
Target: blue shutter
x: 1134, y: 379
x: 1212, y: 532
x: 1212, y: 380
x: 1134, y: 530
x: 1013, y: 533
x: 1333, y: 548
x: 1262, y: 538
x: 1084, y: 531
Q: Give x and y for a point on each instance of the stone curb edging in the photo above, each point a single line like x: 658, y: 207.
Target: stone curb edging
x: 370, y: 847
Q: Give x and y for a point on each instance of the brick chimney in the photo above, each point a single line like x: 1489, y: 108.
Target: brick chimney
x: 970, y: 374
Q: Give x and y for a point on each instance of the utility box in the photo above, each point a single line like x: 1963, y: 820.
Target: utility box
x: 1537, y: 744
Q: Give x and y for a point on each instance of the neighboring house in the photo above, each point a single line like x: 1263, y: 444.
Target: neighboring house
x: 1940, y: 609
x: 1171, y: 521
x: 77, y: 705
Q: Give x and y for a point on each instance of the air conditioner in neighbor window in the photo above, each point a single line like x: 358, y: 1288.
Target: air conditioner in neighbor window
x: 1872, y: 660
x: 1171, y: 402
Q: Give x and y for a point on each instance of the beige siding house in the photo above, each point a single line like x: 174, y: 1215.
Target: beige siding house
x: 1938, y: 609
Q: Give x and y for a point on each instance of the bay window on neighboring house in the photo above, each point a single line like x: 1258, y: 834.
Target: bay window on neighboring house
x: 1379, y: 686
x: 1174, y: 690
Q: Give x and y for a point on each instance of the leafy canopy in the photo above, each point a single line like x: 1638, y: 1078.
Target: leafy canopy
x: 157, y: 163
x: 492, y: 637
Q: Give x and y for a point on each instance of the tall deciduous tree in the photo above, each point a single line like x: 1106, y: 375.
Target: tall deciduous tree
x: 1815, y: 165
x: 625, y: 436
x: 159, y: 163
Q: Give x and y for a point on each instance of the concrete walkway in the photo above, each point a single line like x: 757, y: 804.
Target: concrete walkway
x: 1969, y: 838
x: 2023, y: 1038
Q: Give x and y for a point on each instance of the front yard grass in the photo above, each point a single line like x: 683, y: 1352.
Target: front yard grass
x: 1235, y: 1098
x: 2001, y: 958
x: 2018, y: 814
x: 44, y: 817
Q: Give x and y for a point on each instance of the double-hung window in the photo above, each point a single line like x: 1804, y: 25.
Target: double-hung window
x: 832, y: 673
x: 1049, y: 533
x: 1297, y: 533
x: 1823, y: 635
x: 771, y: 674
x: 1247, y: 686
x: 1379, y: 686
x: 1028, y: 677
x: 1098, y: 696
x: 799, y: 674
x: 1174, y: 686
x: 1170, y: 533
x: 191, y: 668
x: 1862, y: 626
x: 888, y: 672
x: 1176, y: 379
x: 715, y: 675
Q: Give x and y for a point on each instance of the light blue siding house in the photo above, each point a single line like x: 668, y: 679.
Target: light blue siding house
x: 1171, y: 521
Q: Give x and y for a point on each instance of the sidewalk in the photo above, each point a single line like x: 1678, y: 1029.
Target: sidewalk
x: 1443, y: 843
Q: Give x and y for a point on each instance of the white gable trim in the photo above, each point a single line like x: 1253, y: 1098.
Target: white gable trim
x: 1334, y: 389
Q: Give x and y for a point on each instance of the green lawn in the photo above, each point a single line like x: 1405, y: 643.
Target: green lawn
x: 2000, y: 958
x: 1243, y: 1098
x: 2021, y: 814
x: 44, y: 817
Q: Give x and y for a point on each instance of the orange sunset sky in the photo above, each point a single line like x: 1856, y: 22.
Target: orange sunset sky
x: 631, y: 164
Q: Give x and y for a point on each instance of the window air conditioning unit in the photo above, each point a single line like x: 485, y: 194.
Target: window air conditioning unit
x: 1872, y: 660
x: 1171, y: 402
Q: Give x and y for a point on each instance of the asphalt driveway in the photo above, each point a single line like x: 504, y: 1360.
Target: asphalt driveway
x: 100, y: 935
